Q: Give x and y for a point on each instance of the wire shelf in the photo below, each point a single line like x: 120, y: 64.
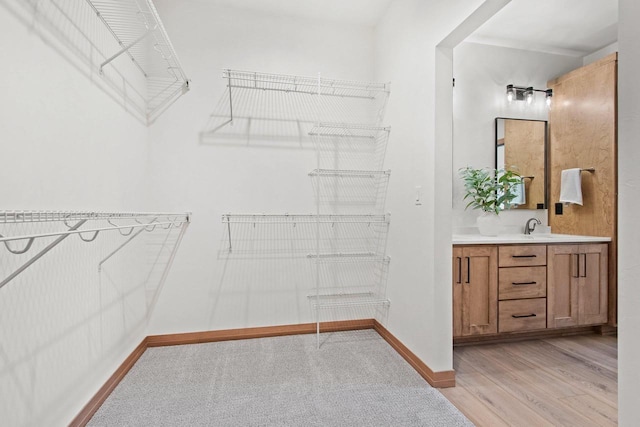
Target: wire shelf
x: 350, y: 257
x: 348, y: 173
x: 124, y: 41
x: 303, y: 84
x: 349, y: 130
x: 350, y: 147
x: 347, y: 300
x: 304, y: 219
x: 284, y: 108
x: 12, y: 217
x: 30, y: 235
x: 137, y: 28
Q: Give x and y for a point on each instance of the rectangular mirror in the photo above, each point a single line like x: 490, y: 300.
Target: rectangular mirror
x: 521, y: 146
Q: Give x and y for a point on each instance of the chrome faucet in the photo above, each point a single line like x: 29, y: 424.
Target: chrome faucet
x: 528, y: 228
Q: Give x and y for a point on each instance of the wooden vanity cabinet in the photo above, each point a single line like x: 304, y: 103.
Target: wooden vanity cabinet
x: 517, y: 288
x: 577, y: 285
x: 475, y: 290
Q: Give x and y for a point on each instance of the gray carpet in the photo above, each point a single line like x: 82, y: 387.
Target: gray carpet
x: 354, y: 379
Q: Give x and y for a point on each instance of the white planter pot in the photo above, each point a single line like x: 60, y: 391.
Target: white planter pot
x: 488, y: 224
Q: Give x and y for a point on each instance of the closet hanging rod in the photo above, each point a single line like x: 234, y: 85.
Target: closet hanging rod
x: 152, y: 225
x: 306, y: 92
x: 360, y: 126
x: 349, y: 131
x: 347, y: 173
x: 49, y: 216
x: 350, y: 256
x: 303, y: 218
x: 364, y: 301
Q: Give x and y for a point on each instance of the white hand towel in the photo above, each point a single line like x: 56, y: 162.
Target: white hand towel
x: 521, y: 195
x: 571, y: 186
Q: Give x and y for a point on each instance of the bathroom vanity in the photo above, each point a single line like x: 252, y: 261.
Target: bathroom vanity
x: 513, y: 285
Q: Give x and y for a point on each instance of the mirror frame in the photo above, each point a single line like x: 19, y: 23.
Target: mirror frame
x: 546, y: 153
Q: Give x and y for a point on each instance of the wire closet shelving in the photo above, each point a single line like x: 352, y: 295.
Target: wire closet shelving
x: 280, y: 106
x: 122, y: 41
x: 342, y: 119
x: 69, y: 223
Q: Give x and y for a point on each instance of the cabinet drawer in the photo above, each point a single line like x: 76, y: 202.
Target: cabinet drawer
x: 522, y: 314
x: 522, y: 282
x: 522, y: 256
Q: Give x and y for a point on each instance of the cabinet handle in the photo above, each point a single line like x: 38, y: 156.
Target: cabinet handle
x: 523, y: 283
x: 468, y: 270
x: 523, y: 256
x: 520, y: 316
x: 576, y: 266
x: 459, y: 260
x: 584, y: 265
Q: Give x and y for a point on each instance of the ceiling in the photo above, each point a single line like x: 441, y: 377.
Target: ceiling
x: 359, y: 12
x: 566, y: 27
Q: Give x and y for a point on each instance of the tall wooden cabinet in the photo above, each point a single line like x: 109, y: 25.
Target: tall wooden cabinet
x: 475, y: 290
x: 577, y: 285
x: 583, y: 134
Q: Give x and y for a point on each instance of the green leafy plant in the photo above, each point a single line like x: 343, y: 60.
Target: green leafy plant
x: 490, y: 190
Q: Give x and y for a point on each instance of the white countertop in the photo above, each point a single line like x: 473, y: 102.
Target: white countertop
x: 478, y: 239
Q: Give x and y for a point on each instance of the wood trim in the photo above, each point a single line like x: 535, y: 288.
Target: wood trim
x: 259, y: 332
x: 439, y: 379
x: 101, y: 395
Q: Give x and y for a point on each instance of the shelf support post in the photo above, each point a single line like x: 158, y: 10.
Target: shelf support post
x: 230, y: 103
x: 229, y: 230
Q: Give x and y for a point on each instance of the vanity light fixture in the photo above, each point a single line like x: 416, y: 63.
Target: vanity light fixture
x: 527, y: 94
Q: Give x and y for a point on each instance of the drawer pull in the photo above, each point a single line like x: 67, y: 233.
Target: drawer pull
x: 519, y: 316
x: 523, y: 283
x: 524, y: 256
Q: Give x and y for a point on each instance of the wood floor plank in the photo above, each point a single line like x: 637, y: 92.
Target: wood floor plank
x: 572, y: 381
x: 536, y: 398
x: 530, y: 373
x: 597, y: 410
x: 610, y: 340
x: 504, y: 404
x: 590, y: 377
x: 472, y: 407
x: 589, y: 350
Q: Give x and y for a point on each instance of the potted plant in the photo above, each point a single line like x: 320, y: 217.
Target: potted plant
x: 490, y: 190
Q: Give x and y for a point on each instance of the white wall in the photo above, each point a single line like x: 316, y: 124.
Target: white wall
x: 628, y: 197
x: 600, y: 53
x: 480, y: 96
x: 406, y: 41
x: 209, y: 288
x: 64, y: 145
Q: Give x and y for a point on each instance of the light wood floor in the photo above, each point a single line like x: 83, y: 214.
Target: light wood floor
x: 570, y: 381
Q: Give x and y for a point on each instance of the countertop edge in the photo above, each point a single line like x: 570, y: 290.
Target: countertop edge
x: 474, y: 239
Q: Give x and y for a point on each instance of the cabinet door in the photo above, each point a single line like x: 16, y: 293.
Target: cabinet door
x: 479, y: 290
x: 562, y: 285
x: 593, y: 281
